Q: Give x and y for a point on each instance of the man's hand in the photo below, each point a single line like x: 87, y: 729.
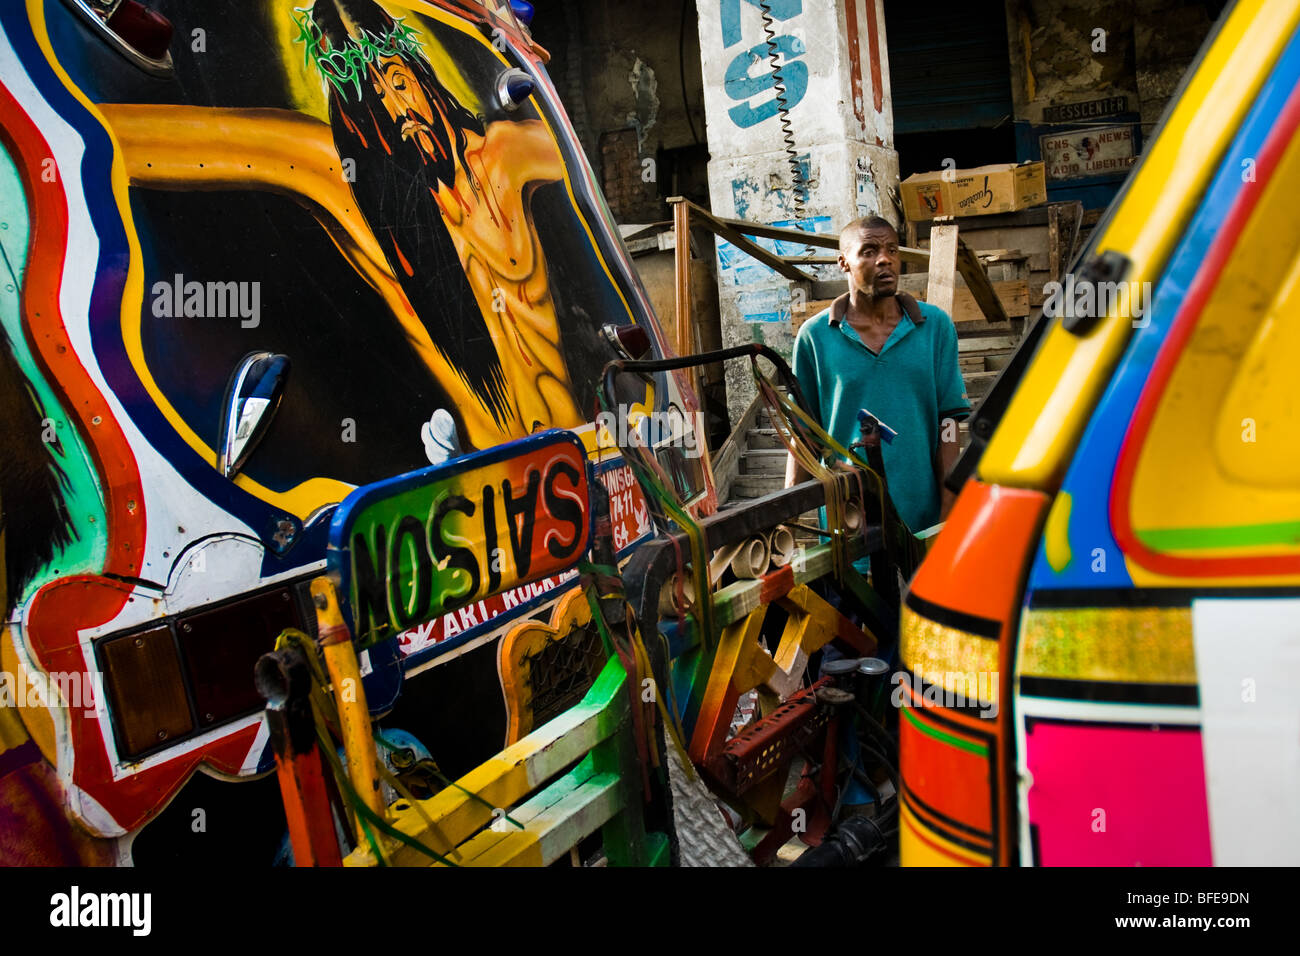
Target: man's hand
x: 949, y: 452
x: 795, y: 473
x: 946, y: 500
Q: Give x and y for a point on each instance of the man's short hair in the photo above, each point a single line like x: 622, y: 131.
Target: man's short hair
x: 866, y: 222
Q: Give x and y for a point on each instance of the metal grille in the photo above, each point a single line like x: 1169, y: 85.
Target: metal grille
x: 562, y: 672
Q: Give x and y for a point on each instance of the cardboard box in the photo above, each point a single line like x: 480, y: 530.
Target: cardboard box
x: 974, y: 192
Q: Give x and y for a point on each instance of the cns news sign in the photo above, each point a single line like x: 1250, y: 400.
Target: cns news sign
x: 1083, y: 154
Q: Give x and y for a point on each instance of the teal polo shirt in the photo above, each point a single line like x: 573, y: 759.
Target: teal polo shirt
x: 911, y: 386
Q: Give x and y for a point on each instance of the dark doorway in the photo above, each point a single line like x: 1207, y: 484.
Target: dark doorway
x: 949, y: 73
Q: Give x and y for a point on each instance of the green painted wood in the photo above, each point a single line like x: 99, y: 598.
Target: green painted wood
x: 690, y: 670
x: 579, y: 812
x: 739, y: 598
x: 505, y: 780
x: 658, y: 849
x: 623, y: 837
x: 526, y: 813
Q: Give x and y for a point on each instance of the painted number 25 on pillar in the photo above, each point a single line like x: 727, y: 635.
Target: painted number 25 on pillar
x: 411, y: 548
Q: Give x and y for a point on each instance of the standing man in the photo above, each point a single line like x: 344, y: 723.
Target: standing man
x: 895, y: 357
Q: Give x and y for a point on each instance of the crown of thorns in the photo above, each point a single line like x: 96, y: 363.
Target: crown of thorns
x: 345, y: 66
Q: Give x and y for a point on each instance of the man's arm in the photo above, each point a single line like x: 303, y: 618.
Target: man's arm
x: 953, y: 406
x: 949, y: 452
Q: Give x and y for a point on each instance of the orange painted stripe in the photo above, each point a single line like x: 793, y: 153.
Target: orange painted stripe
x: 973, y: 565
x: 873, y: 38
x: 776, y: 584
x: 934, y: 823
x: 977, y: 568
x: 956, y: 782
x: 43, y: 281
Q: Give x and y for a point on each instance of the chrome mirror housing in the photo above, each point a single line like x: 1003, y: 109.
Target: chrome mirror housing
x: 255, y: 392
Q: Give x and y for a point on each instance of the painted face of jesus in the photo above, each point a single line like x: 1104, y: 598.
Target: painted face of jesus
x: 404, y: 98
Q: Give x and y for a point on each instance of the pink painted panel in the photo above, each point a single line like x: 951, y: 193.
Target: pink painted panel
x: 1117, y: 796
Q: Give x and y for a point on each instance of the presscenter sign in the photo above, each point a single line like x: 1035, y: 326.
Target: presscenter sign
x: 1072, y: 112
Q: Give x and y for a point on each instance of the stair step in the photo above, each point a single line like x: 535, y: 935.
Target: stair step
x: 763, y: 438
x: 978, y: 384
x: 764, y: 461
x: 755, y: 486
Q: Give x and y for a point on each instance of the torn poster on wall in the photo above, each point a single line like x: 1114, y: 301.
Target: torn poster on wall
x: 765, y: 295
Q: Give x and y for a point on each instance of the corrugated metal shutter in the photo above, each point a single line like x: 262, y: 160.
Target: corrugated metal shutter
x: 948, y: 64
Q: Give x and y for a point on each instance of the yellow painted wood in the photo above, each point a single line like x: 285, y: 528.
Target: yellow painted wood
x: 1032, y: 444
x: 742, y: 664
x: 557, y: 828
x: 524, y: 814
x: 739, y: 664
x: 516, y: 650
x: 506, y: 779
x: 790, y: 657
x: 349, y: 695
x: 810, y: 626
x: 739, y: 599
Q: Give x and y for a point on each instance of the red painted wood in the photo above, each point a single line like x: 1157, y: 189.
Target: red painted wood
x: 307, y: 810
x: 776, y: 584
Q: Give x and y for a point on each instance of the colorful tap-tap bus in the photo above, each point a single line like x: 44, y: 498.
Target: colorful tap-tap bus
x: 308, y: 313
x: 1124, y: 556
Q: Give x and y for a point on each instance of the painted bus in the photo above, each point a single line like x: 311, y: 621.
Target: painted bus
x: 256, y: 256
x: 1124, y: 556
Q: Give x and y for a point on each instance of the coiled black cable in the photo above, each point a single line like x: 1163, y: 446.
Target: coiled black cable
x: 783, y: 111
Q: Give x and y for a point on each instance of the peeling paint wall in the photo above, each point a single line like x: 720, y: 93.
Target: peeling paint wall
x: 1058, y: 55
x: 1167, y: 36
x: 1084, y: 65
x: 827, y: 122
x: 629, y: 76
x: 1066, y: 51
x: 627, y: 64
x: 645, y: 93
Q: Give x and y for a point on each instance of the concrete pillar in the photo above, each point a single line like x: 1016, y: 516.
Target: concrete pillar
x: 837, y: 128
